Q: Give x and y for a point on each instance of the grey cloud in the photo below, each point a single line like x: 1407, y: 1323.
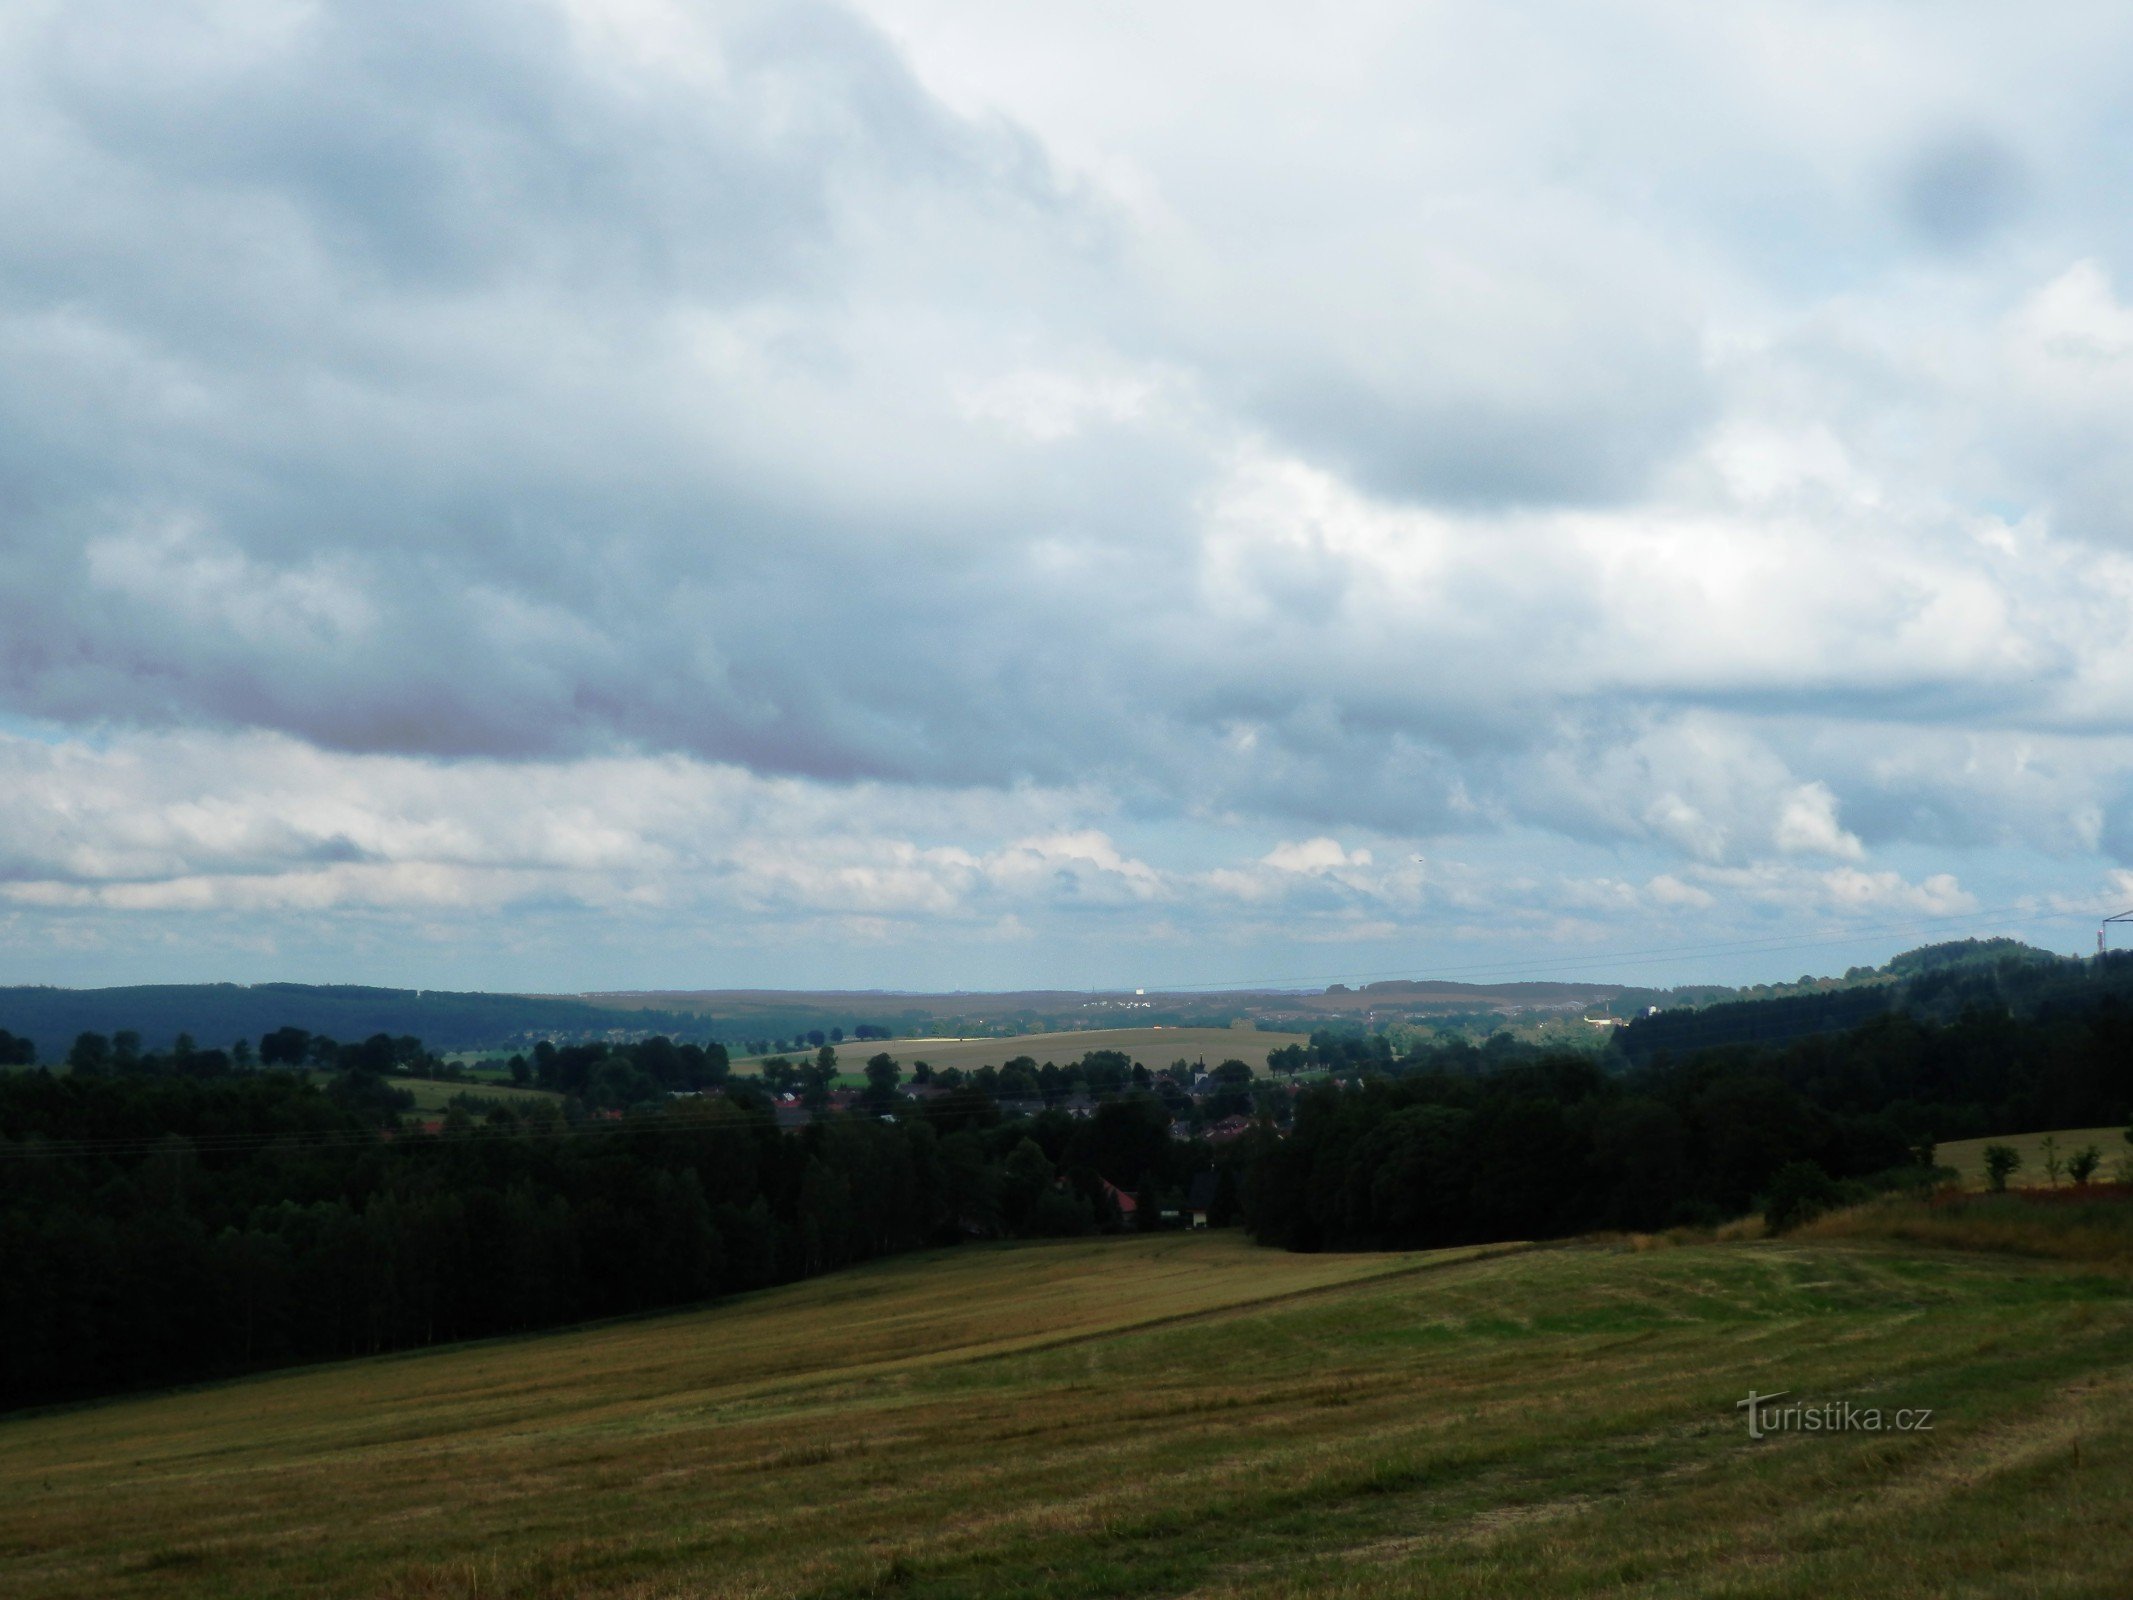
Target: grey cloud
x: 1598, y: 442
x: 446, y: 147
x: 456, y: 421
x: 2116, y: 836
x: 1962, y: 189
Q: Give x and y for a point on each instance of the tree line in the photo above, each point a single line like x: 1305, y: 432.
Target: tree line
x: 160, y: 1224
x: 1458, y: 1145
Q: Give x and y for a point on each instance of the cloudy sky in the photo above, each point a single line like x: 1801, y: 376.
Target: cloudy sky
x: 576, y: 494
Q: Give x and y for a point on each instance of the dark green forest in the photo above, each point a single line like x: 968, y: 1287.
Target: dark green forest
x: 1693, y: 1121
x: 162, y: 1221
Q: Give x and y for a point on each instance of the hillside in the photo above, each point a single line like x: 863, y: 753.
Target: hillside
x: 1040, y: 1010
x: 1152, y: 1417
x: 1935, y: 983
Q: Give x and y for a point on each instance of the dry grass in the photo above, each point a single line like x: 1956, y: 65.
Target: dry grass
x: 2099, y: 1232
x: 1161, y: 1416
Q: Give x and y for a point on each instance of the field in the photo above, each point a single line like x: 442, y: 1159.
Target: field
x: 1157, y: 1047
x: 434, y: 1094
x: 1967, y: 1156
x: 1166, y: 1416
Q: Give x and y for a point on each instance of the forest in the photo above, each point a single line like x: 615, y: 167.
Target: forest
x: 161, y: 1222
x: 1456, y: 1145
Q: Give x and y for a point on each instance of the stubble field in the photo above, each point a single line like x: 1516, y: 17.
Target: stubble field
x: 1163, y: 1416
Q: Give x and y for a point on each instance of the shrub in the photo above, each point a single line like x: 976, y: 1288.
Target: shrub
x: 1799, y: 1192
x: 2002, y: 1161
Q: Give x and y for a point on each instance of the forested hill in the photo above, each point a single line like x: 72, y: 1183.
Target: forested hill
x: 216, y: 1013
x: 1936, y: 983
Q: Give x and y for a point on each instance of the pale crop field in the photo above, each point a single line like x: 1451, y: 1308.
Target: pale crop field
x: 1155, y: 1047
x: 1967, y: 1156
x: 1175, y: 1415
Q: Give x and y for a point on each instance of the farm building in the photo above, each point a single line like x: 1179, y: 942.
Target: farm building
x: 1200, y: 1201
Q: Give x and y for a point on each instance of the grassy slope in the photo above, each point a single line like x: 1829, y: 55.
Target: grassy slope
x: 1159, y: 1416
x: 1157, y: 1047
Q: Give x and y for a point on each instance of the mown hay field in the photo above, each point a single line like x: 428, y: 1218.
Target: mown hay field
x: 1163, y: 1416
x: 1156, y: 1047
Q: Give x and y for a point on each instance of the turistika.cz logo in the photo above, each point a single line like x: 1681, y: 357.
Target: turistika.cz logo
x: 1766, y: 1416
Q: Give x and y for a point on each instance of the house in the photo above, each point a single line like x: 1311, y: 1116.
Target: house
x: 1200, y: 1199
x: 1229, y: 1128
x: 1125, y: 1202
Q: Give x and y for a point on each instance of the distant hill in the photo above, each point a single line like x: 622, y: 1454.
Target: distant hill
x: 1440, y: 989
x: 1933, y: 981
x: 215, y: 1014
x: 1966, y: 953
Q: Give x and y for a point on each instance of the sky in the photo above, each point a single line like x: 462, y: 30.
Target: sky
x: 588, y: 494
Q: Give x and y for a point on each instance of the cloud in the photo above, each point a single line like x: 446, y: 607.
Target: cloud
x: 1315, y: 857
x: 859, y: 470
x: 1962, y: 189
x: 1808, y: 825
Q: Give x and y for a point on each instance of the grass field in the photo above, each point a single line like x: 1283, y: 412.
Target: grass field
x: 1157, y: 1047
x: 433, y: 1094
x: 1177, y: 1415
x: 1967, y: 1156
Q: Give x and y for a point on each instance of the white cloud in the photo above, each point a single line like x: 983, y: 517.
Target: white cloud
x: 1807, y: 825
x: 1315, y: 856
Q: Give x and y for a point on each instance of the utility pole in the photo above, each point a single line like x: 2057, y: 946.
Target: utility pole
x: 2123, y: 916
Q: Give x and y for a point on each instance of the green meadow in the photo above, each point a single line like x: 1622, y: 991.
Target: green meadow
x: 435, y: 1094
x: 1182, y: 1414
